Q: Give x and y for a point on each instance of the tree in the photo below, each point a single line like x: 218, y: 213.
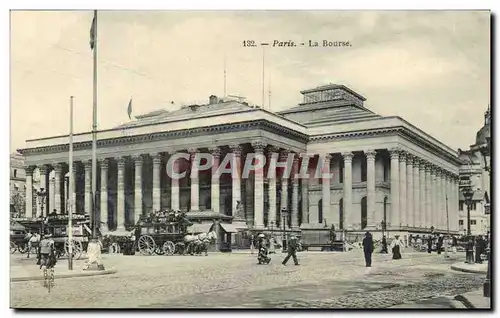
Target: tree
x: 19, y: 202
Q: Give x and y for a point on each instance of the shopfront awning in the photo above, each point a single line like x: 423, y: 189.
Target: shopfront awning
x: 230, y: 228
x: 200, y: 228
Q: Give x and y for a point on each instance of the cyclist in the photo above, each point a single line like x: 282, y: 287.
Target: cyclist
x: 47, y: 252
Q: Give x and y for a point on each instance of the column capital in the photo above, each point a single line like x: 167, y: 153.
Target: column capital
x: 138, y: 160
x: 215, y: 151
x: 258, y: 146
x: 57, y: 167
x: 29, y: 170
x: 394, y: 151
x: 370, y: 154
x: 156, y: 158
x: 273, y: 149
x: 192, y: 151
x: 402, y: 156
x: 104, y: 162
x: 43, y: 169
x: 416, y: 162
x: 347, y: 156
x: 410, y: 159
x: 284, y: 154
x: 428, y: 167
x: 88, y: 164
x: 328, y: 157
x: 120, y: 161
x: 236, y: 149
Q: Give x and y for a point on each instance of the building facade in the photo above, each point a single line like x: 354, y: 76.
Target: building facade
x: 383, y: 168
x: 17, y: 184
x: 472, y: 173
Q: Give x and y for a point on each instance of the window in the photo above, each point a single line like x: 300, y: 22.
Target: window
x: 460, y: 222
x: 208, y: 203
x: 341, y: 214
x: 473, y: 206
x: 15, y: 173
x: 341, y: 172
x: 364, y: 213
x: 320, y: 211
x: 461, y: 206
x: 472, y: 222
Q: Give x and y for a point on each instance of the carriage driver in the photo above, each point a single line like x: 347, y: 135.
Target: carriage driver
x: 46, y: 251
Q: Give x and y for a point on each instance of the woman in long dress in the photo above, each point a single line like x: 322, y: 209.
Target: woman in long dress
x: 396, y: 246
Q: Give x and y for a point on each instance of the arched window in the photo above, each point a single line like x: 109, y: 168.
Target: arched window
x: 320, y: 211
x: 385, y: 210
x: 364, y: 214
x: 341, y: 214
x: 208, y: 203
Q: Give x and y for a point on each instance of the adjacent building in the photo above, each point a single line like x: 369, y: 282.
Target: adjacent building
x: 384, y: 168
x: 472, y: 172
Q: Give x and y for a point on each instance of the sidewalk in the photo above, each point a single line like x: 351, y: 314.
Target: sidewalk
x: 470, y: 268
x: 475, y: 299
x: 25, y: 273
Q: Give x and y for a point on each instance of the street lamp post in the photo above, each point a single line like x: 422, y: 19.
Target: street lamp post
x: 284, y: 214
x: 486, y: 152
x: 468, y: 194
x: 41, y: 194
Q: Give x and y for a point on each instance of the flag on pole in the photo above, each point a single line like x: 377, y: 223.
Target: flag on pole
x: 92, y: 34
x: 129, y: 110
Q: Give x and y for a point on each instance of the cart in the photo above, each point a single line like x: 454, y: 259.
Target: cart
x: 161, y: 233
x: 57, y: 226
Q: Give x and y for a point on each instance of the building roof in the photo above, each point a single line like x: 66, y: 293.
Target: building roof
x: 485, y: 131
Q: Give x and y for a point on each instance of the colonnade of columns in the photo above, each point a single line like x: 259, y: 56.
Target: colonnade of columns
x: 421, y: 193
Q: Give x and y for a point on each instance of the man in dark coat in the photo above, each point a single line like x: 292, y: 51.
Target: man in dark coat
x: 440, y: 244
x: 368, y: 248
x: 429, y: 245
x: 479, y: 249
x: 292, y: 250
x: 384, y: 246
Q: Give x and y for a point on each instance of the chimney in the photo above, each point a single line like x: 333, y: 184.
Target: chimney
x: 213, y: 99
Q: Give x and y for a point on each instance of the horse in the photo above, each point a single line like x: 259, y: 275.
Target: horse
x: 198, y: 243
x: 33, y: 241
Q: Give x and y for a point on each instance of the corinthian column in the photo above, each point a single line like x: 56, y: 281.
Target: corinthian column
x: 43, y: 185
x: 174, y: 187
x: 120, y: 195
x: 104, y: 195
x: 295, y: 194
x: 195, y: 184
x: 51, y: 194
x: 434, y: 192
x: 284, y: 186
x: 138, y: 163
x: 236, y: 176
x: 156, y: 181
x: 325, y: 187
x: 88, y: 190
x: 370, y: 187
x: 423, y: 195
x: 348, y: 189
x: 214, y: 188
x: 57, y: 188
x: 305, y: 192
x: 410, y: 214
x: 417, y: 218
x: 395, y: 221
x: 272, y: 187
x: 259, y: 185
x: 402, y: 190
x: 28, y: 212
x: 428, y: 195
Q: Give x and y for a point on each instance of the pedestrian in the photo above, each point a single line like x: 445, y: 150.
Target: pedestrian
x: 292, y: 250
x: 440, y: 243
x: 384, y: 246
x: 396, y: 247
x: 252, y: 244
x: 271, y: 245
x: 368, y: 248
x: 47, y: 252
x: 479, y: 249
x: 429, y: 245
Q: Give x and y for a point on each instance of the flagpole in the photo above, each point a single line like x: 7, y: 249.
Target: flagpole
x: 94, y: 136
x: 71, y: 182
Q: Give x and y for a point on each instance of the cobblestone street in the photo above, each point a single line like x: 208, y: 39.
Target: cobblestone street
x: 333, y: 280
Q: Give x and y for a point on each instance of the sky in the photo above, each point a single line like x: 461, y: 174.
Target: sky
x: 431, y: 68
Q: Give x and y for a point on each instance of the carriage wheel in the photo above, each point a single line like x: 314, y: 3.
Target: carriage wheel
x: 22, y: 248
x: 13, y: 247
x: 168, y: 248
x: 77, y: 249
x: 146, y: 245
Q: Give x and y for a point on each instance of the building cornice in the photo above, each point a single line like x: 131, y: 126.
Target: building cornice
x: 177, y: 134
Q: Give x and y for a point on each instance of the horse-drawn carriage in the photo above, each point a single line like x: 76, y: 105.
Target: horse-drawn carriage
x: 17, y: 238
x: 166, y: 233
x: 57, y: 226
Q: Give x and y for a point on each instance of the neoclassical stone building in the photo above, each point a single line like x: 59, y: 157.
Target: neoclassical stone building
x: 383, y: 168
